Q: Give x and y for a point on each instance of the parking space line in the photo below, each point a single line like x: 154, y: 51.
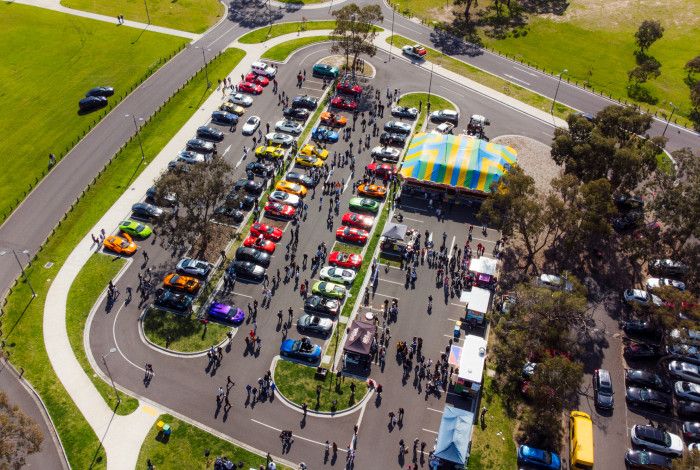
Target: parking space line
x: 418, y: 209
x: 457, y: 305
x: 433, y: 409
x: 392, y: 282
x: 384, y: 295
x: 243, y: 295
x: 430, y: 431
x: 295, y: 435
x: 452, y: 245
x: 413, y: 220
x: 307, y: 88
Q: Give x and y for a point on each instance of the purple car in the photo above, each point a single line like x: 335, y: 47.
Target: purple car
x: 226, y: 313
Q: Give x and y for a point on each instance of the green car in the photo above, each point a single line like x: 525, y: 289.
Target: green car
x: 364, y: 204
x: 135, y: 229
x: 329, y: 289
x: 325, y: 71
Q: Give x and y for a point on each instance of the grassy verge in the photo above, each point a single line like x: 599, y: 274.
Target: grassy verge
x: 347, y: 247
x: 280, y: 52
x: 183, y: 334
x: 418, y: 100
x: 41, y: 47
x: 22, y: 320
x: 275, y: 30
x: 186, y: 15
x: 185, y: 449
x: 91, y: 281
x: 389, y: 261
x: 298, y: 383
x: 515, y: 91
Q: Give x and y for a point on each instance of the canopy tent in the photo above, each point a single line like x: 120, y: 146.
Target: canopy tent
x: 360, y: 338
x: 455, y: 435
x: 457, y: 161
x: 483, y: 265
x: 394, y: 231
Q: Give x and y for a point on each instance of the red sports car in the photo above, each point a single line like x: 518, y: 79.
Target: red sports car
x: 381, y: 169
x: 345, y: 260
x: 344, y: 103
x: 362, y: 221
x: 279, y: 211
x: 267, y: 231
x: 259, y: 244
x: 352, y: 234
x: 259, y: 79
x: 348, y: 88
x: 252, y: 88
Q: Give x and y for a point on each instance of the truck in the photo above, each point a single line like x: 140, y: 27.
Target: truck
x: 476, y: 126
x: 416, y: 51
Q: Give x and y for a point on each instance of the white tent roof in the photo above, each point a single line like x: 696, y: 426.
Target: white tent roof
x: 477, y: 299
x: 483, y: 265
x: 471, y: 362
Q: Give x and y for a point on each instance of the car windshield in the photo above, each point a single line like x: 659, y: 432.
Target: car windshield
x: 140, y: 228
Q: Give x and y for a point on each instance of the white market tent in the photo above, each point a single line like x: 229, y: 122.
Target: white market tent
x: 472, y: 359
x: 483, y: 265
x: 477, y: 300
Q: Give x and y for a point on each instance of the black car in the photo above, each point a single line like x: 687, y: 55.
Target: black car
x: 259, y: 168
x: 241, y: 200
x: 225, y: 118
x: 175, y: 301
x: 144, y: 210
x: 246, y: 270
x: 688, y: 409
x: 691, y: 431
x: 200, y: 146
x: 646, y: 460
x: 100, y: 91
x: 305, y: 101
x: 225, y: 212
x: 641, y: 328
x: 254, y: 256
x: 644, y: 378
x: 301, y: 178
x: 404, y: 112
x: 316, y: 303
x: 249, y: 186
x: 668, y: 267
x: 635, y: 350
x: 648, y: 398
x: 299, y: 114
x: 92, y: 103
x: 388, y: 138
x: 628, y: 202
x: 210, y: 134
x: 628, y: 221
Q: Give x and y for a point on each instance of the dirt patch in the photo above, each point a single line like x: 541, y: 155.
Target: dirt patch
x: 534, y: 158
x: 366, y: 70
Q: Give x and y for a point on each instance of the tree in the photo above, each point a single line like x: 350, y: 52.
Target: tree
x: 647, y: 67
x: 199, y: 189
x: 692, y: 67
x: 355, y: 31
x: 20, y: 436
x: 648, y: 33
x: 468, y: 4
x: 555, y: 383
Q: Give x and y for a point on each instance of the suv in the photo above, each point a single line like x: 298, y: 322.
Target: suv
x: 653, y: 438
x: 668, y: 267
x: 325, y: 71
x: 603, y: 389
x: 445, y: 115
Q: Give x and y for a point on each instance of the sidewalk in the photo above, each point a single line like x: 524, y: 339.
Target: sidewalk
x: 56, y: 6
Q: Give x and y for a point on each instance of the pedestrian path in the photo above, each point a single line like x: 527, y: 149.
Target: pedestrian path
x: 56, y: 6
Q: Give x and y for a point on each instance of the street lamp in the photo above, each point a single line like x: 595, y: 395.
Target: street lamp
x: 21, y: 267
x: 104, y: 361
x: 138, y: 135
x: 204, y: 59
x: 391, y: 41
x: 430, y: 83
x: 551, y: 110
x: 673, y: 110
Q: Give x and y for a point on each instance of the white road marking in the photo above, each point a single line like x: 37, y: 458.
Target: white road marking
x: 114, y: 337
x: 448, y: 89
x: 418, y: 209
x: 346, y: 184
x: 413, y: 220
x: 457, y: 305
x: 433, y: 409
x: 340, y: 449
x: 430, y: 431
x: 226, y: 151
x: 525, y: 71
x: 242, y: 295
x: 516, y: 79
x: 239, y: 162
x: 392, y: 282
x: 384, y: 295
x: 221, y: 35
x: 452, y: 245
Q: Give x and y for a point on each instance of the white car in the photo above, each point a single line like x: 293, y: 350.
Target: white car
x: 386, y: 154
x: 277, y: 138
x: 261, y: 68
x: 653, y: 438
x: 684, y: 370
x: 241, y: 99
x: 445, y: 115
x: 285, y: 198
x: 188, y: 156
x: 397, y: 127
x: 658, y: 282
x: 338, y: 275
x: 687, y: 390
x: 641, y: 297
x: 289, y: 127
x: 444, y: 128
x: 251, y: 125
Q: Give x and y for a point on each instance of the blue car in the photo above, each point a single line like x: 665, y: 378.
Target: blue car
x: 321, y: 134
x: 537, y: 458
x: 226, y: 313
x: 302, y: 349
x: 223, y: 117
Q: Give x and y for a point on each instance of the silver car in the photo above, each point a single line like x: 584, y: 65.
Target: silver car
x: 386, y: 154
x: 277, y: 138
x: 659, y: 282
x: 188, y: 156
x: 445, y: 115
x: 285, y: 198
x: 314, y: 324
x: 397, y: 127
x: 684, y: 370
x: 687, y: 391
x: 289, y: 127
x: 251, y: 125
x: 241, y: 99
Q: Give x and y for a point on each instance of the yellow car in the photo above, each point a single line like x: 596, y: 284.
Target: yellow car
x: 269, y: 152
x: 311, y: 150
x: 303, y: 160
x: 372, y: 190
x: 120, y: 245
x: 291, y: 188
x: 183, y: 283
x: 232, y: 108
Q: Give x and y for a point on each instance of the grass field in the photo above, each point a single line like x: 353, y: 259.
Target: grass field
x: 187, y: 334
x: 49, y: 61
x: 420, y: 100
x: 186, y: 15
x: 185, y: 449
x: 269, y: 32
x: 22, y: 322
x: 86, y: 288
x: 298, y: 384
x: 280, y: 52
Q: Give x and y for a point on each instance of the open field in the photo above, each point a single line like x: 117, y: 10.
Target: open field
x: 281, y: 52
x: 269, y: 32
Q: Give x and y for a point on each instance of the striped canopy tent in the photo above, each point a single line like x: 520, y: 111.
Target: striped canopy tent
x: 456, y: 161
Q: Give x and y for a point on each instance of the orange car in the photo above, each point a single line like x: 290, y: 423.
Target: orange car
x: 333, y: 119
x: 120, y: 245
x: 183, y: 283
x: 372, y: 190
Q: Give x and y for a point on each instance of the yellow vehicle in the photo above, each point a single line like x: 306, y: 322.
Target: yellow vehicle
x: 269, y: 152
x: 310, y: 150
x: 303, y: 160
x: 580, y: 441
x: 231, y: 107
x: 291, y: 188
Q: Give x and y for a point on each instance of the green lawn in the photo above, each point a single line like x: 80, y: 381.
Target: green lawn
x: 187, y: 334
x: 298, y: 384
x: 269, y: 32
x: 22, y: 322
x: 185, y: 449
x: 186, y: 15
x: 420, y: 101
x: 86, y: 288
x: 491, y: 81
x: 49, y: 61
x: 347, y: 247
x: 280, y: 52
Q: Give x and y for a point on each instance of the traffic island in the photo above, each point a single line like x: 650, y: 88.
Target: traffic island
x: 323, y: 393
x: 181, y: 334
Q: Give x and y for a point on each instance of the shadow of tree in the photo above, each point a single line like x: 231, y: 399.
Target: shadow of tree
x: 541, y: 7
x: 254, y: 14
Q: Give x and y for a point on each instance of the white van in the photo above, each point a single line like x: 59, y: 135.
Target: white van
x: 261, y: 68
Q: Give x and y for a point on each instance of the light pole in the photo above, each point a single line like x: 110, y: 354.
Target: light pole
x: 430, y: 83
x: 204, y: 59
x: 104, y: 361
x: 673, y: 110
x: 138, y: 135
x: 29, y: 262
x: 391, y: 41
x: 551, y: 110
